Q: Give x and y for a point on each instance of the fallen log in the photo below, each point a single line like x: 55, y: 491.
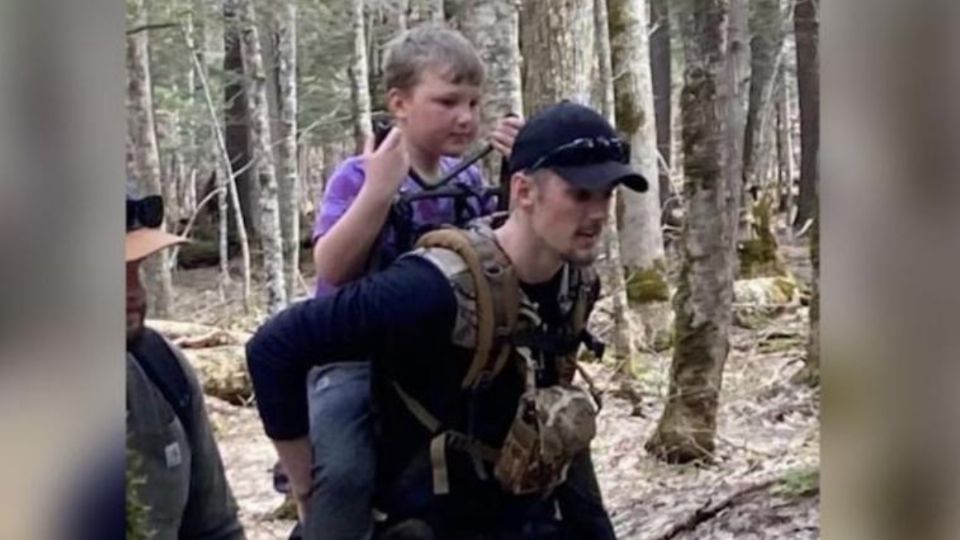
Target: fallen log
x: 195, y: 336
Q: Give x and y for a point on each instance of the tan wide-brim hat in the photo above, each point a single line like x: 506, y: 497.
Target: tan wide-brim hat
x: 141, y: 243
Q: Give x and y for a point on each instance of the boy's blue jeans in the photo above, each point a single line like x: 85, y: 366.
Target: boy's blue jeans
x: 342, y: 436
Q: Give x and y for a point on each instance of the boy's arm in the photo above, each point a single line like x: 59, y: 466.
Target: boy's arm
x: 339, y: 254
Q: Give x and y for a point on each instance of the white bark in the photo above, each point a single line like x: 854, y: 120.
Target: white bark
x: 359, y: 81
x: 642, y: 240
x: 227, y: 184
x: 271, y: 241
x: 493, y: 27
x: 557, y: 52
x: 624, y: 350
x: 713, y: 121
x: 287, y: 167
x: 144, y: 153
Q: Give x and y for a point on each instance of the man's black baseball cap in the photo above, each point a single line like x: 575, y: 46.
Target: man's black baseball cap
x: 577, y: 143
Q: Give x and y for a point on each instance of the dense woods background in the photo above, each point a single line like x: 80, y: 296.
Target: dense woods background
x: 238, y: 110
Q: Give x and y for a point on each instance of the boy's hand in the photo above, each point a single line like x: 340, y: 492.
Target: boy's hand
x: 504, y: 133
x: 389, y: 164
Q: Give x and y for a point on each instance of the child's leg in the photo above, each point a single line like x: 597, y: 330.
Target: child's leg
x: 341, y: 432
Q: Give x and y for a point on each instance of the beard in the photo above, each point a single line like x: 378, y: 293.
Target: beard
x: 135, y: 328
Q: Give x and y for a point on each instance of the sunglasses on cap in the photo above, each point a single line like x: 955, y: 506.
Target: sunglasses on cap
x: 584, y: 151
x: 144, y: 213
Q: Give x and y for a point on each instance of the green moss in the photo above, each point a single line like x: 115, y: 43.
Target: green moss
x: 664, y: 339
x: 758, y: 255
x: 787, y: 286
x: 647, y: 285
x: 798, y: 483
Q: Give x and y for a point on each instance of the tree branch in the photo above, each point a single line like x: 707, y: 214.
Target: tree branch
x: 151, y: 26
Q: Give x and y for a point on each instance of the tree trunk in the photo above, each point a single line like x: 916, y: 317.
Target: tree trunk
x: 492, y: 26
x: 785, y: 147
x: 359, y: 85
x: 757, y: 243
x: 765, y: 46
x: 557, y: 61
x: 271, y: 241
x: 287, y: 166
x: 811, y: 371
x: 225, y: 178
x: 624, y: 351
x: 712, y: 142
x: 662, y: 75
x: 640, y: 234
x: 144, y: 153
x: 807, y: 28
x: 423, y: 11
x: 235, y: 118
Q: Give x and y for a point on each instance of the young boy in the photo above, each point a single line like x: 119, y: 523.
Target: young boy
x: 434, y: 79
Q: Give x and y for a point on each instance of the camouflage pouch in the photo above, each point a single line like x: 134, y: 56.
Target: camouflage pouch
x: 552, y: 425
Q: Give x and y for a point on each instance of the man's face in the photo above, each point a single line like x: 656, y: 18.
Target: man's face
x: 136, y: 302
x: 568, y: 219
x: 438, y: 115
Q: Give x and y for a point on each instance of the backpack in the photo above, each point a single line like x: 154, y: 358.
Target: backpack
x: 501, y: 326
x: 159, y: 363
x: 469, y: 203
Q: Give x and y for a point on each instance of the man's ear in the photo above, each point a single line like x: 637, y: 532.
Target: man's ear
x: 522, y: 190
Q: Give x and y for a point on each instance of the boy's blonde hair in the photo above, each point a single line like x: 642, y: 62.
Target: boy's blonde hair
x: 431, y: 46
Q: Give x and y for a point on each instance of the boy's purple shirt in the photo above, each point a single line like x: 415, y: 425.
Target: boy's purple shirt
x: 344, y: 185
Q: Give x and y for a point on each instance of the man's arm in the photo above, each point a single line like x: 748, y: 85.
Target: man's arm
x: 410, y: 302
x: 211, y: 511
x: 407, y: 304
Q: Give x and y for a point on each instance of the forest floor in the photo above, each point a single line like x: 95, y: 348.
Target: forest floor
x: 763, y: 482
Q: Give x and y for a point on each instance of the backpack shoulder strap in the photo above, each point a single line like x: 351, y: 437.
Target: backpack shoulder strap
x: 492, y: 287
x: 158, y: 361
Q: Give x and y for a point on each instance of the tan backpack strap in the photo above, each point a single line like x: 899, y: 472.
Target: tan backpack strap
x: 417, y: 409
x: 505, y: 292
x: 496, y: 292
x: 457, y: 241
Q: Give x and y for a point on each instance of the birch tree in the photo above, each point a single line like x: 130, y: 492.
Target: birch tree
x: 712, y: 119
x: 557, y: 60
x: 287, y: 166
x: 493, y: 27
x: 143, y: 151
x: 640, y: 234
x: 624, y: 351
x: 359, y: 81
x: 271, y: 240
